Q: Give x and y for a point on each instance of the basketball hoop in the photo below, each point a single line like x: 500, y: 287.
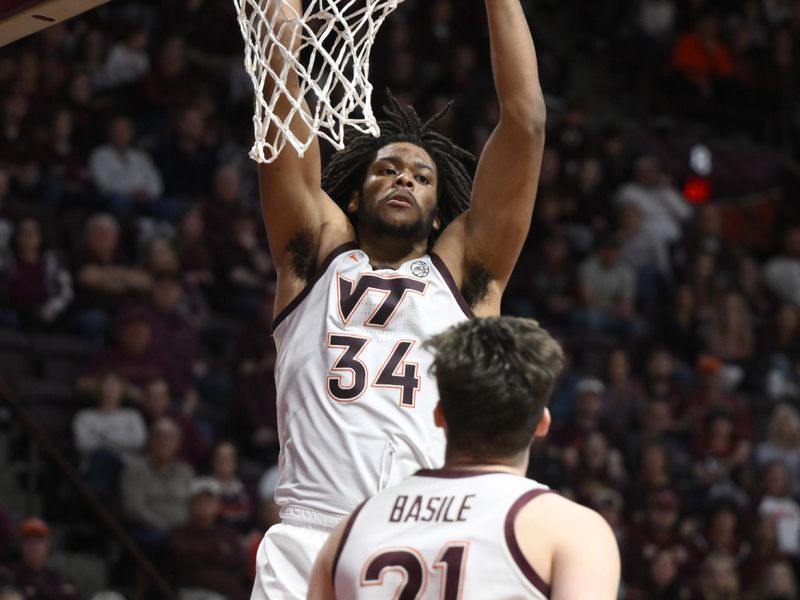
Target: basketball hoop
x: 331, y: 44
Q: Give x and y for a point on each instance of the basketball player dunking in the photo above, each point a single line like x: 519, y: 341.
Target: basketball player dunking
x: 477, y: 528
x: 392, y: 244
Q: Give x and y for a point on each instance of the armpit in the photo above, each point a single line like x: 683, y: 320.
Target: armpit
x: 303, y: 256
x: 475, y: 287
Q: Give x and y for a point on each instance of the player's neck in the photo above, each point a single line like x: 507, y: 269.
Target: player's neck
x: 387, y: 252
x: 518, y: 465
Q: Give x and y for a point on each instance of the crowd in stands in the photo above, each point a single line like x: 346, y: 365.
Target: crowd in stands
x: 667, y: 265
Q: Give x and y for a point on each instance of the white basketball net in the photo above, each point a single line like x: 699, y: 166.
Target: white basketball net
x: 334, y: 38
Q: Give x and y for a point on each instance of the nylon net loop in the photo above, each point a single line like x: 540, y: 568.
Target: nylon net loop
x: 328, y: 47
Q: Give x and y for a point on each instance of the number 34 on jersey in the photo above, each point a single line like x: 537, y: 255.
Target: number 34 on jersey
x: 349, y: 376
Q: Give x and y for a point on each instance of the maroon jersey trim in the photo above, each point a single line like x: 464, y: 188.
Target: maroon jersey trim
x: 513, y: 544
x: 335, y: 253
x: 456, y: 473
x: 451, y: 283
x: 350, y: 522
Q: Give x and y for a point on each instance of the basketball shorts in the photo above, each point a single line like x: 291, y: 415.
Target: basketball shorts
x: 284, y: 561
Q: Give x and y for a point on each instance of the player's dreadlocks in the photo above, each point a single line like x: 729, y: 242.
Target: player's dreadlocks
x: 347, y: 168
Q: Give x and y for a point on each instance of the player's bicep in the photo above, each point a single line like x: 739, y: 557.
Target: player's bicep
x: 503, y: 196
x: 294, y: 206
x: 586, y: 564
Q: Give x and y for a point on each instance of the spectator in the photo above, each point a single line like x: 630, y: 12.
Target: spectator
x: 16, y: 141
x: 764, y: 551
x: 779, y: 582
x: 647, y: 255
x: 10, y: 593
x: 254, y: 409
x: 705, y: 236
x: 782, y: 334
x: 778, y: 504
x: 750, y: 284
x: 64, y: 160
x: 154, y: 488
x: 236, y: 508
x: 662, y: 208
x: 34, y: 283
x: 662, y: 580
x: 207, y: 555
x: 608, y: 289
x: 720, y: 454
x: 718, y: 579
x: 157, y: 403
x: 177, y: 336
x: 679, y: 326
x: 731, y: 331
x: 782, y: 273
x: 700, y: 55
x: 170, y: 83
x: 105, y: 280
x: 547, y: 284
x: 782, y: 443
x: 135, y: 356
x: 722, y: 533
x: 624, y: 399
x: 124, y: 174
x: 654, y: 473
x: 108, y: 436
x: 659, y: 532
x: 126, y: 62
x: 239, y: 261
x: 32, y: 573
x: 185, y: 160
x: 193, y: 251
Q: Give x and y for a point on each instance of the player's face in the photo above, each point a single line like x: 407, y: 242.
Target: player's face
x: 399, y: 194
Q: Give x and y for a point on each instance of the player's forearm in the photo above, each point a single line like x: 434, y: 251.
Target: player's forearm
x: 516, y: 73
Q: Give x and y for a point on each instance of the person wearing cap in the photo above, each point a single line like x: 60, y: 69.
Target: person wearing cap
x: 204, y: 554
x: 31, y: 574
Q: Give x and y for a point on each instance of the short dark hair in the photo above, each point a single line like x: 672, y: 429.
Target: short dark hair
x: 347, y: 168
x: 495, y: 376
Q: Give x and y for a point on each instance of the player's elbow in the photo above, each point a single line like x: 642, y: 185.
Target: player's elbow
x: 527, y: 114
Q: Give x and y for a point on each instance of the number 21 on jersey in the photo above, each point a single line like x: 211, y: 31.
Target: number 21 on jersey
x: 409, y: 563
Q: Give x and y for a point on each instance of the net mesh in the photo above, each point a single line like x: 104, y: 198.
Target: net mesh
x: 328, y: 47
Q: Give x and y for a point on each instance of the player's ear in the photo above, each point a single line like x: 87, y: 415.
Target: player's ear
x: 438, y: 417
x: 437, y: 221
x: 352, y: 204
x: 543, y: 427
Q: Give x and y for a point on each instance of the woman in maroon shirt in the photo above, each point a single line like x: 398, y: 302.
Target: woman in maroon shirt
x: 35, y: 285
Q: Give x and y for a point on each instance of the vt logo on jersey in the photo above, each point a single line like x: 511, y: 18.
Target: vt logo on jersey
x: 394, y: 290
x: 349, y: 376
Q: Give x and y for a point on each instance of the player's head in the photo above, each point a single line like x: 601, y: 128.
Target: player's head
x: 423, y: 170
x: 495, y: 376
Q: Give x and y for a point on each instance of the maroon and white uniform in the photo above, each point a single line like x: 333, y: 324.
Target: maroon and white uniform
x: 355, y: 400
x: 440, y: 535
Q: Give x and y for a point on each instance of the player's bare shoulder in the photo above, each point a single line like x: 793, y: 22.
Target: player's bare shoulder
x: 559, y: 537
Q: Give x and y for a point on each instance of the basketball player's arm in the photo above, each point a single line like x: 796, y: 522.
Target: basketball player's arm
x: 320, y: 584
x: 299, y: 216
x: 571, y: 547
x: 493, y: 230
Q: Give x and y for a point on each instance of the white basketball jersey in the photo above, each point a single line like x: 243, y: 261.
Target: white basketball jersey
x: 439, y: 535
x: 355, y: 401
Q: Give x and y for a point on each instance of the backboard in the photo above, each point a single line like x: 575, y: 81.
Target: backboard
x: 19, y: 18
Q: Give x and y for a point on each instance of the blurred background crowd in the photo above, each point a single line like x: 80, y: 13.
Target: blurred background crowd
x: 136, y: 286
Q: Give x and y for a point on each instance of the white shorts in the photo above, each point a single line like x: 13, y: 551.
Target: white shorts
x: 284, y: 561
